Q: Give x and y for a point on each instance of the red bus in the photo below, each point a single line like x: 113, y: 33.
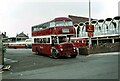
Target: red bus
x: 50, y: 38
x: 78, y: 42
x: 16, y: 45
x: 19, y: 44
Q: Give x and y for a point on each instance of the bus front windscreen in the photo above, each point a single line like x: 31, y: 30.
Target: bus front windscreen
x: 62, y: 39
x: 68, y: 23
x: 60, y: 23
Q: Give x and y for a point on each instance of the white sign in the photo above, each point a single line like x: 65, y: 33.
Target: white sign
x: 65, y: 30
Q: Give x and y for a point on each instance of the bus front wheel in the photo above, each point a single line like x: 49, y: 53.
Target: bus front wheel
x: 73, y: 56
x: 55, y: 53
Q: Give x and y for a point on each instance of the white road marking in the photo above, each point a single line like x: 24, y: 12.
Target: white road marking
x: 111, y: 53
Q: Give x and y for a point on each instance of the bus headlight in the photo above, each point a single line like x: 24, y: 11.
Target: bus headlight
x: 61, y: 49
x: 74, y: 48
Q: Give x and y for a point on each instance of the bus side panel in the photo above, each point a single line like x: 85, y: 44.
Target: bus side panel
x: 44, y: 49
x: 34, y: 46
x: 16, y: 47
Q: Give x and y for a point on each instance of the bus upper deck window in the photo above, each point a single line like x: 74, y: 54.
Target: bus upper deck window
x: 60, y: 23
x: 68, y: 23
x: 52, y: 24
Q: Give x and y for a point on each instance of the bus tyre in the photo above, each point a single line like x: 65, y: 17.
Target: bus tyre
x: 55, y: 53
x: 73, y: 56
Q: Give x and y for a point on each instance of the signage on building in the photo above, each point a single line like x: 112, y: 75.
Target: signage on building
x: 89, y: 28
x: 90, y: 34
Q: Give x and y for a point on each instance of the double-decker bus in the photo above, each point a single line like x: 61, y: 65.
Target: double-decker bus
x: 50, y: 38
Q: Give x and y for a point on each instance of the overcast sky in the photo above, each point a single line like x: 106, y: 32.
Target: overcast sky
x: 18, y: 16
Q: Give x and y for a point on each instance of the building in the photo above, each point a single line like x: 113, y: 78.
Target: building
x: 4, y: 37
x: 19, y: 37
x: 107, y: 30
x: 78, y: 19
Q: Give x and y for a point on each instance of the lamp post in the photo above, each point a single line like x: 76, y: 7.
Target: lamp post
x: 90, y: 42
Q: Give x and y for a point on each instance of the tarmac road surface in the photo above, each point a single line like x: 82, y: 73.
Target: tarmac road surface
x: 30, y: 66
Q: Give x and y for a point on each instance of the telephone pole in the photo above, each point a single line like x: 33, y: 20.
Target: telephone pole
x: 90, y: 42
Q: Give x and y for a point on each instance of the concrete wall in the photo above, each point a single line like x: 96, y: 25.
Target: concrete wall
x: 104, y: 48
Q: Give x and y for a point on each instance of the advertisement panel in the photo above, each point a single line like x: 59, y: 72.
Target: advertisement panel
x: 89, y: 28
x: 90, y: 34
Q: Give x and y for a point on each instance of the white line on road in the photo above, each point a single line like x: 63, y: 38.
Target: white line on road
x: 111, y: 53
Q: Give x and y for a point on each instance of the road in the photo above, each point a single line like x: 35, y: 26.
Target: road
x: 26, y: 65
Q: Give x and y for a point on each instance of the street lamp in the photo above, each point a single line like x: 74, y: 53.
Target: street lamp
x: 90, y: 41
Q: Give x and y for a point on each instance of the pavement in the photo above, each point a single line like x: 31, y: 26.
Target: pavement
x: 30, y: 66
x: 110, y: 53
x: 9, y: 61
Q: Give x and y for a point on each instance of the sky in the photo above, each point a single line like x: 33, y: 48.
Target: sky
x: 18, y: 16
